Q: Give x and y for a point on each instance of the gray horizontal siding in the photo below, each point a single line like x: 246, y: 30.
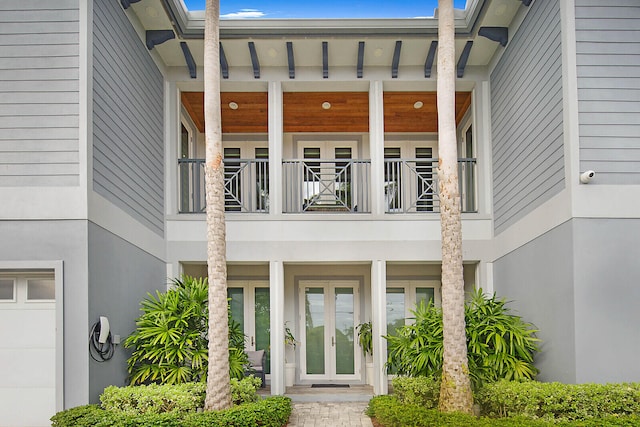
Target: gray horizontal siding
x: 608, y: 58
x: 526, y: 115
x: 128, y: 119
x: 39, y: 86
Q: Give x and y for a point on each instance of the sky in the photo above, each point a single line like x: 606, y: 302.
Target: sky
x: 283, y: 9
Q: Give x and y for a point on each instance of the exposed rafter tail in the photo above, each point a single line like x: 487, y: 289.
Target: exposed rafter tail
x: 428, y: 64
x: 191, y: 63
x: 325, y: 60
x: 462, y: 62
x: 156, y: 37
x: 360, y: 68
x: 290, y: 58
x: 496, y: 34
x: 224, y: 65
x: 396, y: 59
x: 254, y: 60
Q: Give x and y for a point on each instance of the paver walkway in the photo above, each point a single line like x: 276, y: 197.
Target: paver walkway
x: 329, y: 414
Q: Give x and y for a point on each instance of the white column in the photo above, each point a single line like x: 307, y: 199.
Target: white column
x: 376, y: 146
x: 485, y: 277
x: 275, y: 148
x: 379, y: 324
x: 276, y: 293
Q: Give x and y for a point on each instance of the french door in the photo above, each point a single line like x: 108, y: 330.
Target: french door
x: 250, y: 307
x: 327, y: 173
x: 328, y: 313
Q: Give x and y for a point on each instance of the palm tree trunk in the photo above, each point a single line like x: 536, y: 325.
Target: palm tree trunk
x: 218, y: 389
x: 455, y: 391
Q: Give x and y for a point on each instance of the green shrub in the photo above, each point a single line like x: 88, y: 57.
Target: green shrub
x: 81, y: 416
x: 181, y: 398
x: 421, y: 391
x: 170, y: 344
x: 270, y: 412
x: 499, y: 344
x: 154, y: 399
x: 245, y: 390
x: 390, y: 412
x: 556, y: 401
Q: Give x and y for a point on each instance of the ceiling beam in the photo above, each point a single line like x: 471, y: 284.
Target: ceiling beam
x: 396, y: 60
x: 126, y: 3
x: 224, y: 65
x: 496, y: 34
x: 360, y: 68
x: 156, y: 37
x: 462, y: 62
x: 428, y: 64
x: 191, y: 63
x: 325, y: 60
x: 254, y: 60
x: 292, y: 65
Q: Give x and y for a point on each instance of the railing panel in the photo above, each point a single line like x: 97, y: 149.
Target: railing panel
x: 411, y: 185
x: 332, y: 186
x: 336, y: 185
x: 246, y: 185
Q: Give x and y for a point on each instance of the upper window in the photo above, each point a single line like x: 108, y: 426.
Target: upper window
x: 41, y: 289
x: 7, y: 290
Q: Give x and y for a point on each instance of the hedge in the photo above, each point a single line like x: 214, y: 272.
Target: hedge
x: 556, y: 401
x: 270, y: 412
x: 390, y: 412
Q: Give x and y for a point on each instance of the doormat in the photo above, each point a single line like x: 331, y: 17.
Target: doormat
x: 329, y: 385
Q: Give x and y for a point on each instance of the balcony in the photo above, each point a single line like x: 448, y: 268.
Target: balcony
x: 326, y: 186
x: 411, y: 185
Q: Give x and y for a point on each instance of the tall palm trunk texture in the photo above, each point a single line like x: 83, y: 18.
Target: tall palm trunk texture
x: 455, y: 391
x: 218, y: 389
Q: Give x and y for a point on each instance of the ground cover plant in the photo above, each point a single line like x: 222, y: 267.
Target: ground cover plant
x: 177, y: 405
x: 511, y: 404
x: 170, y: 343
x: 500, y: 344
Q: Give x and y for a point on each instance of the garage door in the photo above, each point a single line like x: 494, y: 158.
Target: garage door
x: 27, y: 349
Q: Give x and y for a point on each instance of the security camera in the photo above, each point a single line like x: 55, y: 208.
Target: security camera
x: 587, y: 176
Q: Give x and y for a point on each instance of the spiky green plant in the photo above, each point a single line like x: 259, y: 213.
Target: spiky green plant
x: 500, y: 345
x: 170, y: 340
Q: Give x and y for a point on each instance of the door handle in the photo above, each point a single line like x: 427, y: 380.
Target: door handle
x: 333, y: 342
x: 251, y: 340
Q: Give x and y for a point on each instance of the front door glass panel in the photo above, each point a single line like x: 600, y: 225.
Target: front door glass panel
x: 314, y: 330
x: 236, y: 296
x: 344, y: 338
x: 263, y: 336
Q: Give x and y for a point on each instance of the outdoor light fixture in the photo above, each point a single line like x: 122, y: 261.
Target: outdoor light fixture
x: 326, y: 105
x: 233, y: 105
x: 418, y: 105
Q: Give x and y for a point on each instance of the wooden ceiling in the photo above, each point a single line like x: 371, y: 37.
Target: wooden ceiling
x: 304, y: 111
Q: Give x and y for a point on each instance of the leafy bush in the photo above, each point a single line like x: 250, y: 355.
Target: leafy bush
x: 421, y: 391
x: 270, y: 412
x: 390, y: 412
x: 556, y: 401
x: 154, y: 399
x: 180, y: 398
x: 171, y: 343
x: 499, y: 344
x: 245, y: 390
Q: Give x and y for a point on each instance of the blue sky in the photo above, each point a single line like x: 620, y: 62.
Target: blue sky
x: 324, y: 9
